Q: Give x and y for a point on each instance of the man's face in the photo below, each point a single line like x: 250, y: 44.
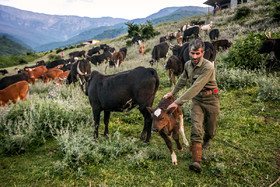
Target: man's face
x: 196, y: 55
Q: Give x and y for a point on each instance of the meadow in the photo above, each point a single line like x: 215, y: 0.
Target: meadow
x: 48, y: 139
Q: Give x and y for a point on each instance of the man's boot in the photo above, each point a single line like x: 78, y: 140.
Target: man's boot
x: 196, y: 154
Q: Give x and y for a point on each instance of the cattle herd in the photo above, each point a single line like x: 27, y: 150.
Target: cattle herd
x: 125, y: 90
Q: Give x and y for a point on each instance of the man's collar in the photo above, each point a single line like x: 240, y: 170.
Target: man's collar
x: 199, y: 63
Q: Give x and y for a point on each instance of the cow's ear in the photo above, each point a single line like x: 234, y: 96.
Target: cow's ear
x: 150, y: 110
x: 171, y: 110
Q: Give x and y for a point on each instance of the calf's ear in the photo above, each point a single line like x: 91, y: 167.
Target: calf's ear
x: 171, y: 110
x: 150, y: 110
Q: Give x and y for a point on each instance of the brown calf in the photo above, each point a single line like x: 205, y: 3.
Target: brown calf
x: 117, y: 58
x: 36, y: 73
x: 62, y: 77
x: 142, y: 49
x: 168, y: 122
x: 52, y: 73
x: 14, y: 92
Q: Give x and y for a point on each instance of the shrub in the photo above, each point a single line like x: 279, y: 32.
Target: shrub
x: 146, y: 31
x: 244, y: 52
x: 241, y: 13
x: 276, y: 12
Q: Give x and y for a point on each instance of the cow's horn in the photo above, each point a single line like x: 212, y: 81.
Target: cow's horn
x: 78, y: 69
x: 171, y: 45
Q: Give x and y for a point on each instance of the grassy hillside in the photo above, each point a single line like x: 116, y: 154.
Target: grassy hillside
x: 48, y: 139
x: 9, y: 47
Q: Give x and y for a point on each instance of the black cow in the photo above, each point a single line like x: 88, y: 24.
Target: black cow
x: 224, y: 44
x: 66, y: 67
x: 189, y: 32
x: 77, y: 54
x: 175, y: 68
x: 214, y: 34
x: 136, y: 39
x: 183, y: 52
x: 103, y: 46
x: 98, y: 59
x: 271, y: 46
x: 4, y: 71
x: 80, y: 72
x: 120, y: 92
x: 55, y: 63
x: 9, y: 80
x: 93, y: 51
x: 159, y: 51
x: 41, y: 63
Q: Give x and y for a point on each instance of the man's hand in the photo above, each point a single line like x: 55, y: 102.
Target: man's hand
x: 167, y: 95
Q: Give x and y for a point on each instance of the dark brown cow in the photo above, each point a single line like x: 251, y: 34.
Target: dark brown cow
x: 122, y: 92
x: 271, y: 46
x: 14, y: 93
x: 224, y: 44
x: 168, y: 122
x: 175, y: 67
x: 36, y: 73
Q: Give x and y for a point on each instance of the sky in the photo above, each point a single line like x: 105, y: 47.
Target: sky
x: 128, y: 9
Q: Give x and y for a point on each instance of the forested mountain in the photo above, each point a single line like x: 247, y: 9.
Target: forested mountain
x: 10, y: 47
x: 44, y: 32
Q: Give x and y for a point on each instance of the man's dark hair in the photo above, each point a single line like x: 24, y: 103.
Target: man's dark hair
x: 196, y: 44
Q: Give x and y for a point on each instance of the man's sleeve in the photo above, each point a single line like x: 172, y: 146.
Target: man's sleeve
x: 181, y: 83
x: 197, y: 86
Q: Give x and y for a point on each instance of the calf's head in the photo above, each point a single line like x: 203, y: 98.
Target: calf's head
x: 161, y: 117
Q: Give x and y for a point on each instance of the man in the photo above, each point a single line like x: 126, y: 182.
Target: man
x: 205, y: 102
x: 216, y: 8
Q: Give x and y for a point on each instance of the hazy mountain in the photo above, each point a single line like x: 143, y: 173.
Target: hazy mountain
x: 36, y: 29
x: 44, y: 32
x: 164, y: 15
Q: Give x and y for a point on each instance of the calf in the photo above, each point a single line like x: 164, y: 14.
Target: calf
x: 117, y: 58
x: 52, y: 74
x: 14, y: 93
x: 168, y: 122
x: 175, y: 67
x: 214, y: 34
x: 62, y: 77
x: 159, y: 51
x: 224, y: 44
x: 142, y: 49
x: 121, y: 92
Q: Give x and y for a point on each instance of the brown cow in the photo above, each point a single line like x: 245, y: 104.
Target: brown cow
x: 36, y: 73
x: 62, y: 77
x: 14, y: 92
x: 142, y: 49
x: 52, y: 73
x: 168, y: 122
x: 117, y: 58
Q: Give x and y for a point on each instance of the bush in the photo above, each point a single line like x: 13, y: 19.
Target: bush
x: 146, y: 31
x: 244, y: 52
x: 276, y: 12
x: 241, y: 13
